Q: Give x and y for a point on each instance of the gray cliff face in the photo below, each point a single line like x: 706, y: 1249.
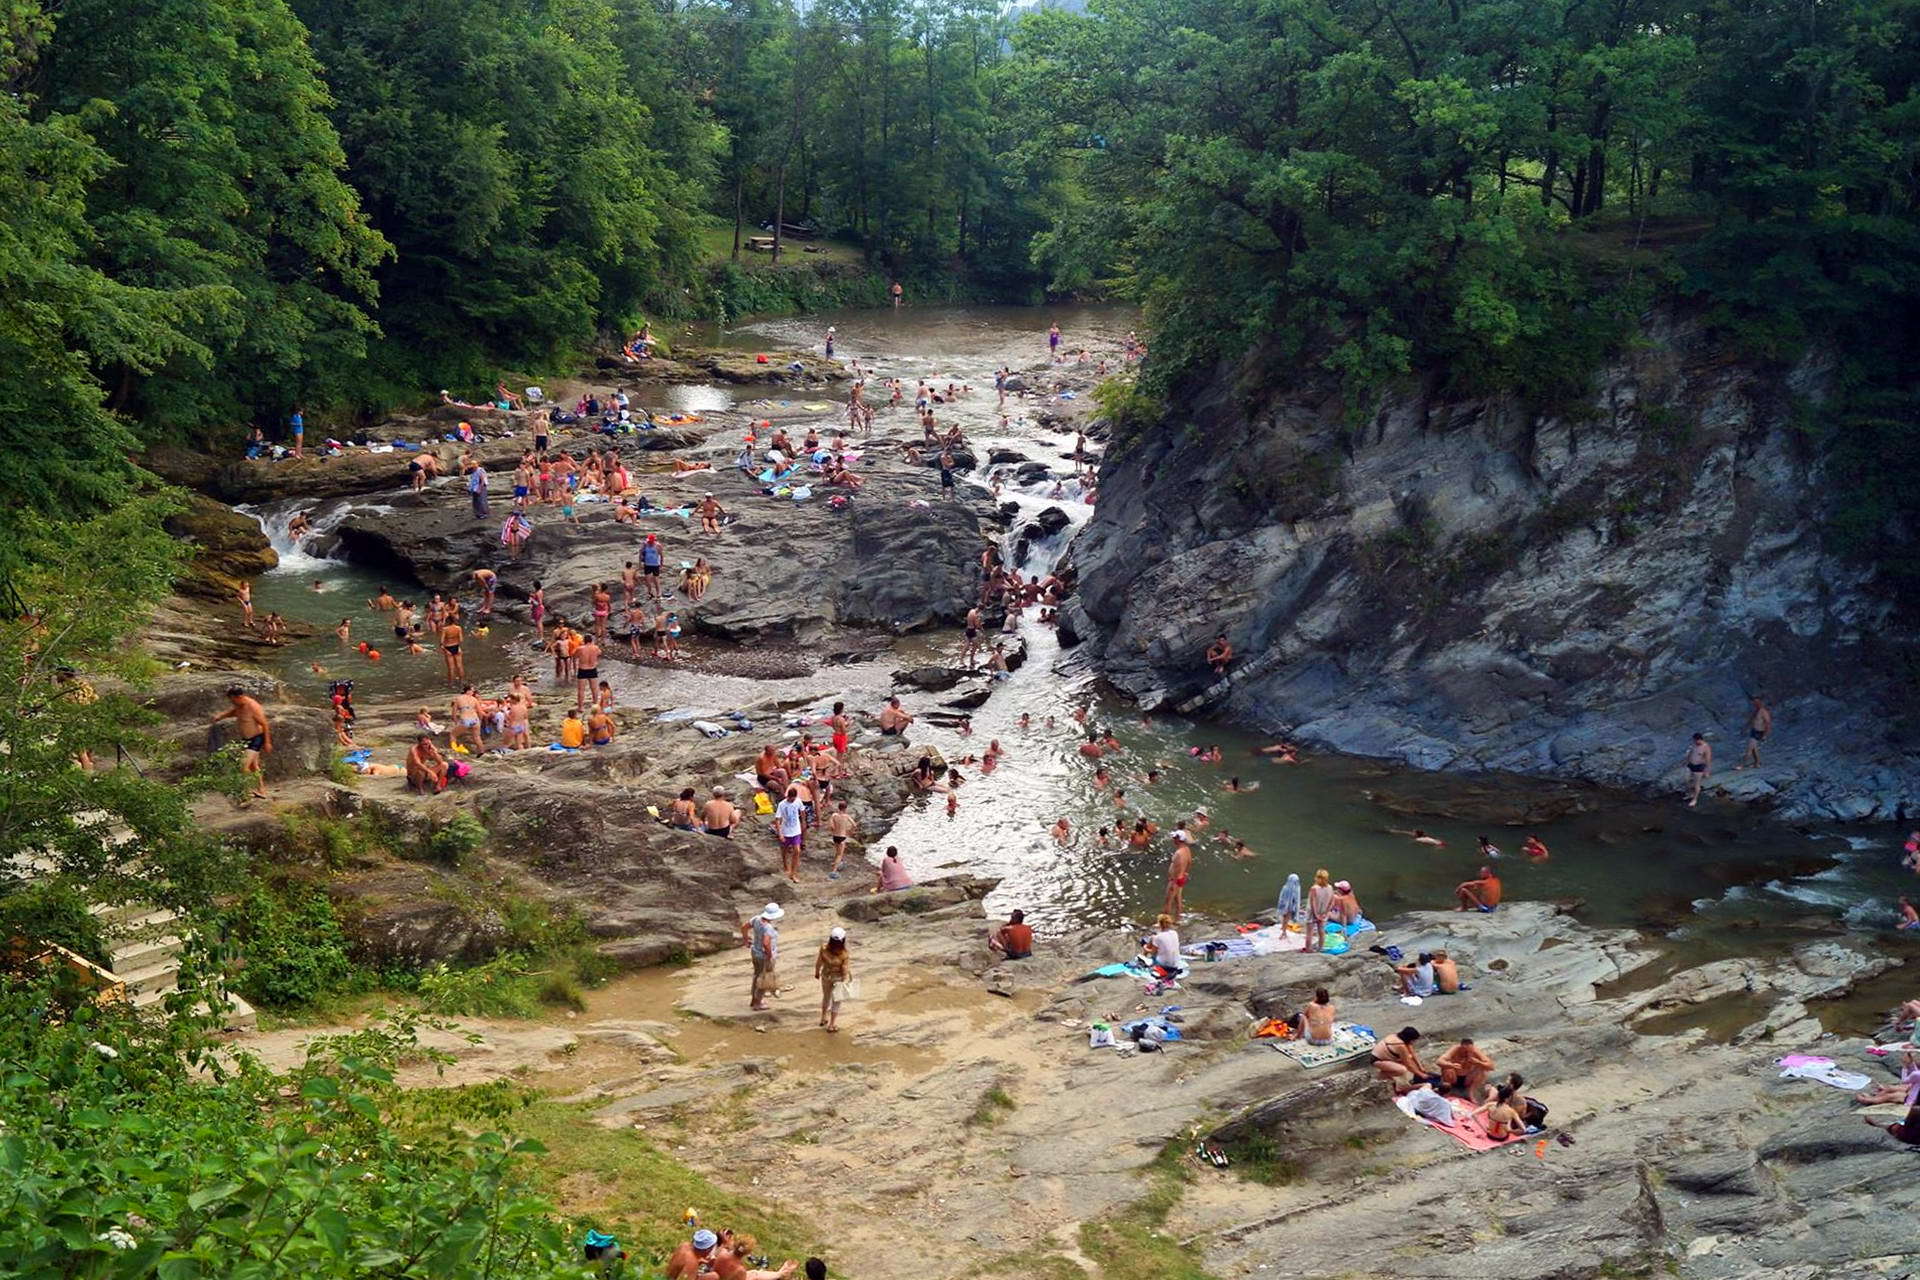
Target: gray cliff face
x: 1468, y: 585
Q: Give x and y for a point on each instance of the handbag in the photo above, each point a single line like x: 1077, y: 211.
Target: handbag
x: 848, y: 990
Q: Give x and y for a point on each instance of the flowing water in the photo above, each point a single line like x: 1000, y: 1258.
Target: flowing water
x: 1720, y: 880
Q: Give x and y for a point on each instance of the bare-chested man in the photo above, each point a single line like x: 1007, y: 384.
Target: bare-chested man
x: 1699, y: 762
x: 629, y: 583
x: 894, y: 720
x: 466, y: 718
x: 972, y: 649
x: 1759, y: 725
x: 451, y: 637
x: 250, y: 718
x: 718, y: 815
x: 1219, y: 654
x: 1178, y: 868
x: 384, y: 602
x: 488, y: 581
x: 586, y: 670
x: 711, y: 513
x: 841, y: 826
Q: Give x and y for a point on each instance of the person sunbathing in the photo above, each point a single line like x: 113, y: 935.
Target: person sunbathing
x: 681, y: 466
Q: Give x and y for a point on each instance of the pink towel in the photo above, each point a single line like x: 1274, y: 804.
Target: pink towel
x: 1470, y: 1131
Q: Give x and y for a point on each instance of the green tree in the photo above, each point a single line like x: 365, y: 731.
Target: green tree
x: 225, y: 179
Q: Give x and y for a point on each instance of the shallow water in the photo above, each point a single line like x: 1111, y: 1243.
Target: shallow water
x: 1721, y: 880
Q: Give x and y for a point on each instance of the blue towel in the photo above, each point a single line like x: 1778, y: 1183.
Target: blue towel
x: 358, y: 757
x: 1365, y: 1031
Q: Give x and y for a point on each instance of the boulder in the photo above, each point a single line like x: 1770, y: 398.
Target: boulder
x: 228, y: 549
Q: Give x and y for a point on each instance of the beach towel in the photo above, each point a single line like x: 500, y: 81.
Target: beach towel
x: 356, y: 757
x: 1262, y: 941
x: 1827, y: 1074
x: 1358, y: 926
x: 711, y: 729
x: 1470, y: 1131
x: 1349, y: 1041
x: 557, y: 746
x: 1150, y: 1029
x: 1128, y: 970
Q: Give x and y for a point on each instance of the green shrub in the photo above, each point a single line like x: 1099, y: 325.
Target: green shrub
x: 290, y: 946
x: 500, y: 988
x: 321, y: 1172
x: 454, y: 843
x: 53, y: 911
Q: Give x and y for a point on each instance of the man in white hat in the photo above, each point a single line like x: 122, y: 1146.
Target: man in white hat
x: 763, y: 944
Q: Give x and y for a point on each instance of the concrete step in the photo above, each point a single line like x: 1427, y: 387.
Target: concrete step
x: 142, y: 952
x: 240, y: 1014
x: 155, y: 978
x: 132, y: 917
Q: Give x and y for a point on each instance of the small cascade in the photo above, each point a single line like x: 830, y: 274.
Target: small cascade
x: 313, y: 549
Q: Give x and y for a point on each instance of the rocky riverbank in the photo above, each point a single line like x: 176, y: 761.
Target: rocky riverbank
x: 1471, y: 584
x: 806, y: 605
x: 963, y: 1110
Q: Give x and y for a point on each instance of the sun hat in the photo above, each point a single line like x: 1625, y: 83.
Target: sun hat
x: 1342, y: 885
x: 704, y: 1239
x: 773, y: 912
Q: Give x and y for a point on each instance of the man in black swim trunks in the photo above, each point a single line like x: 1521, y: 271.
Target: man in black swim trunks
x: 1699, y: 765
x: 1759, y: 725
x: 251, y: 719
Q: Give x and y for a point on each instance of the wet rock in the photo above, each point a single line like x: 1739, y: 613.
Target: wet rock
x: 1000, y: 456
x: 930, y: 679
x: 928, y: 895
x: 228, y: 549
x: 1462, y: 589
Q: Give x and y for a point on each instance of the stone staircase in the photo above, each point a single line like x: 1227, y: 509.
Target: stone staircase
x: 144, y: 945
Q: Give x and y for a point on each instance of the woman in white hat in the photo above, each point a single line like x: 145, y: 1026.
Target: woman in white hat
x: 763, y: 943
x: 834, y: 967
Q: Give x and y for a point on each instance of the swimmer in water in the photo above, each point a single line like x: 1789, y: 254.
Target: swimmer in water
x: 1534, y: 849
x: 1234, y: 784
x: 1418, y: 837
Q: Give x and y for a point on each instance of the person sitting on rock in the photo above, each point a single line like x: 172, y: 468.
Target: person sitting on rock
x: 1446, y: 974
x: 1417, y: 979
x: 1397, y: 1063
x: 1481, y: 894
x: 426, y: 767
x: 1219, y: 654
x: 1014, y: 939
x: 1465, y: 1067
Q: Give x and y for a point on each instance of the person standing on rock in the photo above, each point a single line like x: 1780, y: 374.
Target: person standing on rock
x: 834, y: 969
x: 1178, y: 868
x: 245, y: 595
x: 250, y: 718
x: 898, y: 294
x: 762, y: 940
x: 971, y: 652
x: 488, y: 582
x: 451, y: 637
x: 629, y: 582
x: 1759, y: 725
x: 651, y: 557
x: 477, y: 490
x: 946, y: 473
x: 298, y: 422
x: 466, y: 718
x: 1320, y: 898
x: 840, y: 724
x: 1053, y: 343
x: 1699, y: 762
x: 790, y: 822
x: 586, y: 671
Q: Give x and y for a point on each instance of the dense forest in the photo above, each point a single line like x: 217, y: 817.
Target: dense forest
x: 219, y: 210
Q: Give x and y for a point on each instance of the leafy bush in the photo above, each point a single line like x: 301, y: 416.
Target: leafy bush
x: 459, y: 840
x: 53, y: 911
x: 500, y: 988
x: 291, y: 948
x: 121, y: 1159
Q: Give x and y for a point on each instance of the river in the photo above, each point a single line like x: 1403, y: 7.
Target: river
x: 1719, y: 880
